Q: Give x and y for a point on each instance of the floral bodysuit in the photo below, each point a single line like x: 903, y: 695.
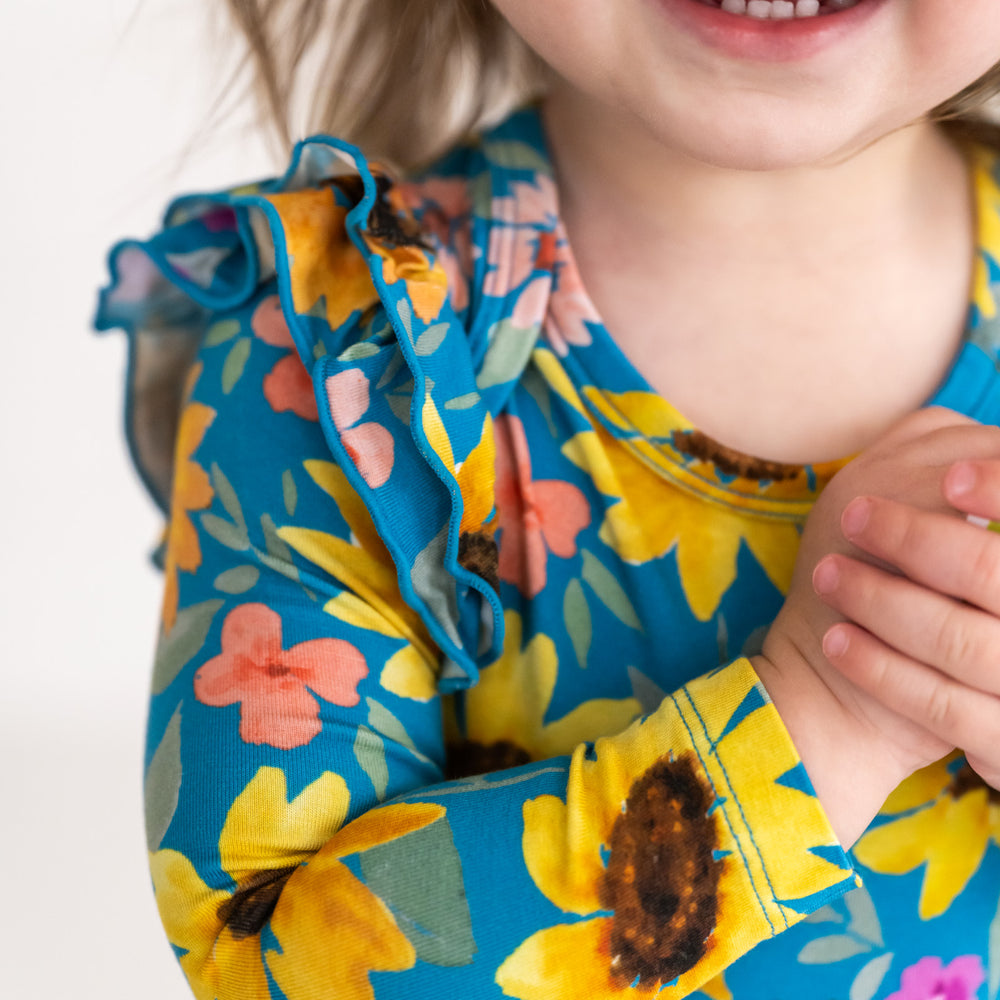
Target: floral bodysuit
x: 452, y: 696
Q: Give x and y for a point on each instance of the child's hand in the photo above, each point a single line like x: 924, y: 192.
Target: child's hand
x: 888, y: 547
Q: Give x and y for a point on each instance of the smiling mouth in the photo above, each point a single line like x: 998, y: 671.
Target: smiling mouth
x: 781, y: 10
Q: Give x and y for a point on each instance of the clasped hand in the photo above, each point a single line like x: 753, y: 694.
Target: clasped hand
x: 886, y: 654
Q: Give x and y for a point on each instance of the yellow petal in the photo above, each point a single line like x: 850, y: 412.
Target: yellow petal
x: 476, y: 480
x: 513, y: 693
x: 589, y: 721
x: 263, y: 830
x: 901, y: 845
x: 379, y: 826
x: 954, y: 852
x: 716, y: 988
x: 189, y: 911
x: 706, y: 561
x: 562, y: 853
x: 919, y: 788
x: 325, y: 263
x: 568, y: 960
x: 555, y: 376
x: 333, y: 931
x: 408, y: 674
x: 437, y: 436
x: 330, y: 478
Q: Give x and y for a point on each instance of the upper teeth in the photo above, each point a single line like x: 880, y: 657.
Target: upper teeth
x: 782, y: 9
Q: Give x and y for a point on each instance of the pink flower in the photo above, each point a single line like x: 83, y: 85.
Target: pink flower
x: 570, y: 308
x: 270, y: 683
x: 370, y: 445
x: 287, y: 386
x: 928, y: 980
x: 536, y: 517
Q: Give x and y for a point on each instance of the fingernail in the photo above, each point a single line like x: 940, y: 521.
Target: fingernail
x: 961, y: 479
x: 826, y: 576
x: 835, y: 643
x: 855, y: 516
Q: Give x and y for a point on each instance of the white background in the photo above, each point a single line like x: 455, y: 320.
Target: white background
x: 99, y: 103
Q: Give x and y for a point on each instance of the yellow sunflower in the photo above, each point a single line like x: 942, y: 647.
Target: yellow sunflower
x: 505, y: 712
x: 325, y: 264
x: 681, y: 844
x: 264, y: 843
x: 191, y: 490
x: 947, y: 815
x: 664, y: 505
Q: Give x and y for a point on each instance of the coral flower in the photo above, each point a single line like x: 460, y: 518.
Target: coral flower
x: 287, y: 386
x: 271, y: 683
x: 284, y: 860
x: 536, y: 516
x: 191, y: 490
x: 369, y: 444
x: 928, y: 980
x: 948, y: 817
x: 505, y: 712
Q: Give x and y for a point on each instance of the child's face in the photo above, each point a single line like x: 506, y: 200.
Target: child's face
x: 741, y: 92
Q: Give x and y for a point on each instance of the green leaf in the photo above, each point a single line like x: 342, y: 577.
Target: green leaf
x: 576, y: 614
x: 834, y: 948
x: 430, y: 340
x: 390, y: 370
x: 236, y: 361
x: 290, y: 492
x: 275, y: 544
x: 405, y: 316
x: 517, y: 155
x: 869, y: 979
x: 463, y: 402
x: 646, y: 691
x: 993, y: 982
x: 237, y: 580
x: 369, y: 749
x: 400, y: 406
x: 508, y: 353
x: 219, y: 333
x: 182, y: 642
x: 864, y: 919
x: 362, y: 349
x: 387, y: 725
x: 225, y: 532
x: 419, y: 877
x: 225, y: 492
x: 319, y: 348
x: 163, y: 783
x: 609, y: 590
x: 825, y: 914
x: 540, y: 392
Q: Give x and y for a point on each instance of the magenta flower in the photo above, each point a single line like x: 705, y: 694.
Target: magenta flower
x: 929, y: 980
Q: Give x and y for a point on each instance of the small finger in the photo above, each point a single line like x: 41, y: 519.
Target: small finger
x: 955, y: 714
x: 937, y: 550
x: 974, y: 487
x: 949, y: 635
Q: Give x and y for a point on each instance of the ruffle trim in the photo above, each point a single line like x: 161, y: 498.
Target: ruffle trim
x: 215, y: 250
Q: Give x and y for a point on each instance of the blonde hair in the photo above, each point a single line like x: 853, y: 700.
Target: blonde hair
x: 406, y: 79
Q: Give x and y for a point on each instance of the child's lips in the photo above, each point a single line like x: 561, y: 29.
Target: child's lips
x: 743, y: 29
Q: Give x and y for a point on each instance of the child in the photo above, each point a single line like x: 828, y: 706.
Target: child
x: 504, y: 655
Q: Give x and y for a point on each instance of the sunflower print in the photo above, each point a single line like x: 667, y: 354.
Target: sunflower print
x: 943, y: 817
x: 266, y: 843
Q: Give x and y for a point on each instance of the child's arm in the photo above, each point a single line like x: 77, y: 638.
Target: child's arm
x: 920, y: 588
x: 301, y: 830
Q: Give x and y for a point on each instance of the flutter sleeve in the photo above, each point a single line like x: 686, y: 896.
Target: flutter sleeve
x: 305, y: 403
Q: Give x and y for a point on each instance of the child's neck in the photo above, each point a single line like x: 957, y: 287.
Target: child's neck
x: 792, y: 314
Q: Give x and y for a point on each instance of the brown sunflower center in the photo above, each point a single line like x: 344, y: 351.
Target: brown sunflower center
x: 251, y: 906
x: 469, y: 757
x: 966, y: 780
x: 478, y: 553
x: 729, y: 460
x: 661, y: 879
